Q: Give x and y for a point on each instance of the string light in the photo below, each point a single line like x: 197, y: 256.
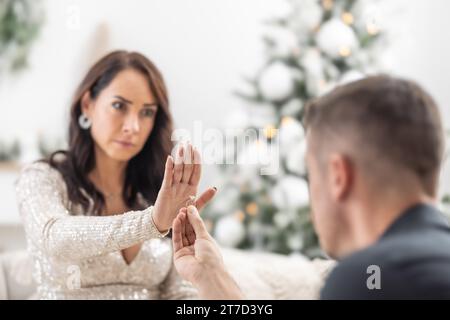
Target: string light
x: 270, y: 131
x: 327, y: 4
x: 345, y: 52
x: 348, y: 18
x: 252, y: 208
x: 239, y: 215
x: 372, y: 28
x: 285, y: 121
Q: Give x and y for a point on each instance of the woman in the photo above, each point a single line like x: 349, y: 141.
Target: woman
x: 96, y: 215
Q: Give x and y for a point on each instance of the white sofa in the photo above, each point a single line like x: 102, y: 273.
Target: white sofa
x: 16, y: 281
x: 260, y: 275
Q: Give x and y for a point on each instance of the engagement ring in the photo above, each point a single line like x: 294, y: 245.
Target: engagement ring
x: 191, y: 201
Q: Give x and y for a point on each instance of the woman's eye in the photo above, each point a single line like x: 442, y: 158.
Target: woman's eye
x: 148, y: 113
x: 117, y: 105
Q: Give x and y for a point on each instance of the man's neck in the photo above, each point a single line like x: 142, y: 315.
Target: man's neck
x: 369, y: 222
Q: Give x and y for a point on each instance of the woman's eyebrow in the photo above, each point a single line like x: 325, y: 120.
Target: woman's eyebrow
x: 150, y: 105
x: 123, y: 99
x: 147, y: 105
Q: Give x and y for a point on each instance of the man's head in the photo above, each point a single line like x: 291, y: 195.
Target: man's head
x: 376, y: 139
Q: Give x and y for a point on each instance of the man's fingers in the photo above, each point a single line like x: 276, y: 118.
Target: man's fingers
x: 184, y: 221
x: 190, y: 234
x: 197, y: 223
x: 205, y: 197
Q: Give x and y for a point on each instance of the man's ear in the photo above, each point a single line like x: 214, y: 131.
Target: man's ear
x: 86, y: 104
x: 341, y: 173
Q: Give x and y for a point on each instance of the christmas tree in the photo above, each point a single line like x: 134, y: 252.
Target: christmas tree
x: 20, y: 23
x: 312, y: 47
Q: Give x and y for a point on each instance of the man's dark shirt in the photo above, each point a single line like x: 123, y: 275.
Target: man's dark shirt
x: 411, y: 261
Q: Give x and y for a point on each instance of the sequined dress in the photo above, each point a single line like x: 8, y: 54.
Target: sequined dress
x: 78, y: 256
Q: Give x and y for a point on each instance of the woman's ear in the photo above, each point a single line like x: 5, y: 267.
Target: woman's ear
x: 86, y: 104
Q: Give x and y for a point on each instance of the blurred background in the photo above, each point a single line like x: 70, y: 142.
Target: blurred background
x: 228, y: 65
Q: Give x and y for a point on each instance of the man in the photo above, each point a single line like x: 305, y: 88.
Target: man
x: 374, y: 154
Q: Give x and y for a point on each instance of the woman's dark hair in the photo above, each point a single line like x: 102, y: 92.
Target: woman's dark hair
x: 144, y: 173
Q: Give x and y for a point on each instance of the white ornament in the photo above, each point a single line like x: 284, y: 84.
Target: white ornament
x: 281, y: 10
x: 332, y: 71
x: 317, y: 87
x: 285, y: 42
x: 337, y: 39
x: 238, y: 119
x: 326, y: 87
x: 312, y: 63
x: 292, y: 108
x: 295, y: 242
x: 291, y: 132
x: 276, y: 82
x: 254, y: 156
x: 290, y: 192
x: 307, y: 15
x: 282, y: 219
x: 257, y: 232
x: 229, y: 231
x: 261, y: 115
x: 295, y: 160
x: 225, y: 200
x: 370, y: 16
x: 313, y: 85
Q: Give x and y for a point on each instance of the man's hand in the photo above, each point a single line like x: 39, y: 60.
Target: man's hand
x: 197, y: 257
x: 194, y: 248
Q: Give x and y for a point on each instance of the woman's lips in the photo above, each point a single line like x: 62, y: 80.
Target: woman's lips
x: 125, y: 144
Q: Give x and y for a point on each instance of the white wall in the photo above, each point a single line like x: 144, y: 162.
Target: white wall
x: 203, y: 47
x: 421, y: 51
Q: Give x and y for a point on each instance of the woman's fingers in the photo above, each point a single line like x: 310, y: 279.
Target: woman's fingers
x: 168, y: 173
x: 178, y: 168
x: 177, y: 240
x: 197, y: 168
x: 188, y: 160
x: 205, y: 198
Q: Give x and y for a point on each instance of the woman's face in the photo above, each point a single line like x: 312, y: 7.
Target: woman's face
x: 123, y: 115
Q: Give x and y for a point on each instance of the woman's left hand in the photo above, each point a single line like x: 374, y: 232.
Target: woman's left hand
x: 180, y: 184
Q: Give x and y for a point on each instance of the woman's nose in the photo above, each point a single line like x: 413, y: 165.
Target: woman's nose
x: 131, y: 124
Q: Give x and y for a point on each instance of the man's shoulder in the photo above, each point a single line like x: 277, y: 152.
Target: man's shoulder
x: 398, y: 267
x: 349, y: 279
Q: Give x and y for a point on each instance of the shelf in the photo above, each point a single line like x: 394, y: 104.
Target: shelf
x: 10, y: 166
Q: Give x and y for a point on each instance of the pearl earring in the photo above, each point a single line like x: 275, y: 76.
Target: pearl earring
x: 84, y: 122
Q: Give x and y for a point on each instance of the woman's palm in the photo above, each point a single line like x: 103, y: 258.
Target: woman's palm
x: 180, y: 184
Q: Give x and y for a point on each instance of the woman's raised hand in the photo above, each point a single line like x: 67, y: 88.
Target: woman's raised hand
x: 179, y: 187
